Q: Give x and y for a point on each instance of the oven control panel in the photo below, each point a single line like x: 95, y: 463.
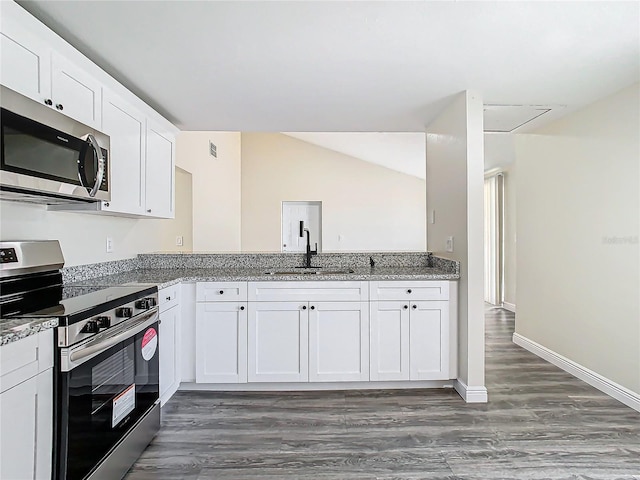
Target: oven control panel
x: 8, y: 255
x: 102, y: 322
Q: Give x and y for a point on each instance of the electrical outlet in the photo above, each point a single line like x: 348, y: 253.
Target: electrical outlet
x: 449, y: 246
x: 109, y: 245
x: 179, y: 241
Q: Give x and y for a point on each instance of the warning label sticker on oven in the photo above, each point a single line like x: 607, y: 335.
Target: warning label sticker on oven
x: 149, y: 344
x: 123, y: 405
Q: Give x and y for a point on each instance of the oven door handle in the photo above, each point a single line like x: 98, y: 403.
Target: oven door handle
x: 71, y: 358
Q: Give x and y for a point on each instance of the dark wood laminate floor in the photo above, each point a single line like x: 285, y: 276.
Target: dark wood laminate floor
x: 540, y: 423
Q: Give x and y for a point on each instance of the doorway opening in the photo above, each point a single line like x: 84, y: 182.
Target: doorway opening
x: 494, y: 239
x: 310, y: 214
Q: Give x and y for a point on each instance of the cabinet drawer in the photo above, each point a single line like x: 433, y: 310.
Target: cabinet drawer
x: 221, y: 292
x: 168, y: 297
x: 427, y: 290
x: 308, y: 291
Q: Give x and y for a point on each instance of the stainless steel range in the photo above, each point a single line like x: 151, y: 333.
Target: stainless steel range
x: 107, y: 406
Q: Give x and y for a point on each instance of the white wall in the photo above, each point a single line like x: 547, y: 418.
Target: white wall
x: 578, y: 221
x: 216, y: 188
x: 83, y: 236
x: 455, y: 190
x: 510, y: 182
x: 371, y: 207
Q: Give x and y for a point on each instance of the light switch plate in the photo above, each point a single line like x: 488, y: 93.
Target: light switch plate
x: 179, y: 241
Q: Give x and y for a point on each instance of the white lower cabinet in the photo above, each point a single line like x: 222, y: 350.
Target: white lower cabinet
x: 26, y: 408
x: 221, y: 342
x: 278, y: 348
x: 338, y: 341
x: 410, y: 340
x: 170, y: 341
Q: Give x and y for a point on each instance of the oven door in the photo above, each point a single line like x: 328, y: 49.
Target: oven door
x: 106, y: 388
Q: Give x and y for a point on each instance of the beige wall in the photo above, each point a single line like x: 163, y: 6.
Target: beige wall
x: 510, y: 180
x: 372, y: 208
x: 455, y: 190
x: 578, y: 221
x: 182, y: 225
x: 216, y: 188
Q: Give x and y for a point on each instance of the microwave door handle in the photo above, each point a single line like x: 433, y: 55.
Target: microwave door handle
x: 91, y: 140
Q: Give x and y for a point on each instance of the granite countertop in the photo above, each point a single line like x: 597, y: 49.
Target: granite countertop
x: 164, y: 277
x: 16, y: 329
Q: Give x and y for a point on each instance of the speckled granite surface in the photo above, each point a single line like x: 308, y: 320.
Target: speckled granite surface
x: 16, y: 329
x: 164, y: 277
x: 165, y: 269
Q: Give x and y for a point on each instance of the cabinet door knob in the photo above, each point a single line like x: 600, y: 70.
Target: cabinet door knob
x: 242, y: 307
x: 304, y: 307
x: 414, y: 306
x: 405, y: 307
x: 409, y: 291
x: 149, y: 211
x: 312, y: 307
x: 59, y: 106
x: 168, y: 299
x: 48, y: 102
x: 221, y: 292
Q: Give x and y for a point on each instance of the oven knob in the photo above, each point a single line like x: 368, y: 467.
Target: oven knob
x: 124, y: 312
x: 146, y: 303
x: 90, y: 327
x: 103, y: 322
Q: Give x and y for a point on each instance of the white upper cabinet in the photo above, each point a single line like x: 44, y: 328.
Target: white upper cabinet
x: 30, y: 67
x: 160, y: 178
x: 126, y: 129
x: 74, y: 92
x: 25, y: 62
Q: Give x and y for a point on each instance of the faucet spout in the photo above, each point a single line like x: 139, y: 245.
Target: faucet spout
x: 310, y: 252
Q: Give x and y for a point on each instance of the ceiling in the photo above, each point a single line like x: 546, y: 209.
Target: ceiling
x: 315, y: 66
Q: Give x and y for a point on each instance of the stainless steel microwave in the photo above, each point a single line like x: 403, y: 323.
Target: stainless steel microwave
x: 51, y: 159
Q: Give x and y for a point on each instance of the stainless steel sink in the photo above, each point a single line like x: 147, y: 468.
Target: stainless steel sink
x: 302, y: 271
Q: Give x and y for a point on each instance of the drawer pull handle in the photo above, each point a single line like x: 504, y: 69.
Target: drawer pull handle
x: 409, y: 291
x: 242, y: 307
x: 405, y: 307
x: 168, y: 299
x: 414, y: 306
x: 221, y: 292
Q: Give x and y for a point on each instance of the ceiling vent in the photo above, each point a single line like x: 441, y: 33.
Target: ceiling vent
x: 507, y: 118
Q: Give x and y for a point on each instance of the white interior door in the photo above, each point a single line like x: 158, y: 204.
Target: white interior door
x: 292, y: 214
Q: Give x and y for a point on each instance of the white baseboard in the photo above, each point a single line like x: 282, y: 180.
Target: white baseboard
x: 594, y: 379
x: 509, y: 306
x: 470, y: 394
x: 307, y: 386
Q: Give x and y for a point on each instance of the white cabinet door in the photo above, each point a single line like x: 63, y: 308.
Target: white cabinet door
x: 126, y: 129
x: 390, y: 340
x: 75, y: 93
x: 338, y: 341
x: 26, y: 428
x: 221, y: 342
x: 18, y: 407
x: 25, y: 64
x: 278, y: 348
x: 169, y: 353
x: 429, y: 338
x: 159, y: 174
